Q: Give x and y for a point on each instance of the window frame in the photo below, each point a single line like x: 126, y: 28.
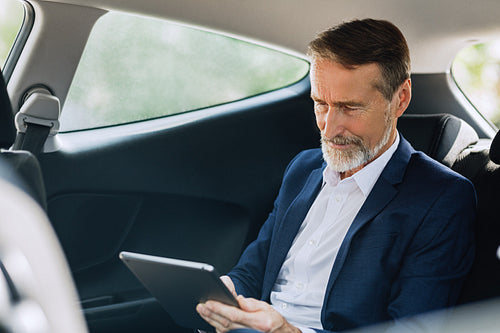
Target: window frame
x: 20, y: 41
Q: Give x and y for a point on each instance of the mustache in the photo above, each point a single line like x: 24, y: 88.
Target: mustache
x: 342, y: 140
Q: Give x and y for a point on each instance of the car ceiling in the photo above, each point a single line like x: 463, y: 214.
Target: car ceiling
x: 436, y: 29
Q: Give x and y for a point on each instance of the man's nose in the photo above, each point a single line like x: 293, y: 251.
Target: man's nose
x: 333, y: 123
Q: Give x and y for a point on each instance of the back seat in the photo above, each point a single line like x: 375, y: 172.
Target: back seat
x: 441, y: 136
x: 480, y: 164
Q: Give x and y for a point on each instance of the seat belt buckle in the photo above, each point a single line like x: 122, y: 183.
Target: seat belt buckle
x: 40, y: 109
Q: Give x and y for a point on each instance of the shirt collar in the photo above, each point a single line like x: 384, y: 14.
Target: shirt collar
x: 367, y: 176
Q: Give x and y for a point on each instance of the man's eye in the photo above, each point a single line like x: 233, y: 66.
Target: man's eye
x: 321, y: 107
x: 350, y: 109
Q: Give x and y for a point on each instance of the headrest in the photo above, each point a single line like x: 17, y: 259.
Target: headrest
x: 7, y: 128
x: 495, y: 149
x: 441, y: 136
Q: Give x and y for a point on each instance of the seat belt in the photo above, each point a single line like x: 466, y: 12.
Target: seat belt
x: 36, y: 120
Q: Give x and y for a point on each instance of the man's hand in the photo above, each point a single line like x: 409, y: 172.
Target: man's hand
x: 252, y: 313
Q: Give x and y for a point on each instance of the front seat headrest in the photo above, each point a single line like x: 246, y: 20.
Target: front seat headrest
x: 495, y: 149
x: 441, y: 136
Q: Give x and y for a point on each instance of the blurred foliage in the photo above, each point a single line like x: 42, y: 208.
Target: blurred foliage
x: 476, y: 70
x: 136, y: 68
x: 11, y: 19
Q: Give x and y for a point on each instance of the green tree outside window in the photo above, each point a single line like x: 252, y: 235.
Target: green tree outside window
x: 477, y: 72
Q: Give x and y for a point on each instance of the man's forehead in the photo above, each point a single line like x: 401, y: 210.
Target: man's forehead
x: 324, y: 71
x: 330, y: 66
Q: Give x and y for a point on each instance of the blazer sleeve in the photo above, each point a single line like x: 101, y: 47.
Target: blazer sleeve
x: 440, y: 255
x: 248, y: 274
x: 437, y: 261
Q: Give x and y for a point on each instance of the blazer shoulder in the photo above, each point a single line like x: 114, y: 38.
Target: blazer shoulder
x: 430, y: 171
x: 306, y: 161
x: 300, y: 169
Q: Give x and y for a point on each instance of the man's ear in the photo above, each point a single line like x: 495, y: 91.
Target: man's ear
x: 403, y: 97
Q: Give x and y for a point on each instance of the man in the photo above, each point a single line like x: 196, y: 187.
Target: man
x: 366, y: 229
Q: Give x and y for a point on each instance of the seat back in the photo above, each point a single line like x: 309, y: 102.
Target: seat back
x: 441, y: 136
x: 481, y: 166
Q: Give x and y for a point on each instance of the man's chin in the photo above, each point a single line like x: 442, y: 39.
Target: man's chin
x: 340, y: 168
x: 343, y: 164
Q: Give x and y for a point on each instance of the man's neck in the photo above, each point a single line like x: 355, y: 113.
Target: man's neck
x: 349, y: 173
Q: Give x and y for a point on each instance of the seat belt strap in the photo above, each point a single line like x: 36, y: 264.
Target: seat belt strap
x: 33, y: 139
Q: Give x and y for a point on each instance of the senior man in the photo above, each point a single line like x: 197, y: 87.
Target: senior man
x: 365, y: 229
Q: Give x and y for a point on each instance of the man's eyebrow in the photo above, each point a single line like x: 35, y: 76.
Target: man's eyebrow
x: 316, y: 99
x: 350, y: 103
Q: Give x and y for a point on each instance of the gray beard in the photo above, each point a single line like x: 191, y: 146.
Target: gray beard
x: 359, y: 154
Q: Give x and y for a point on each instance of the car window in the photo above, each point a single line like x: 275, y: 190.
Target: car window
x: 476, y: 71
x: 11, y: 20
x: 135, y: 68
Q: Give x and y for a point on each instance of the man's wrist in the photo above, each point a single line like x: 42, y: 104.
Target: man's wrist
x: 289, y: 328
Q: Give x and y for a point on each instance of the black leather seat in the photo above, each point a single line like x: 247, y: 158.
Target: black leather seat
x: 441, y: 136
x: 481, y: 166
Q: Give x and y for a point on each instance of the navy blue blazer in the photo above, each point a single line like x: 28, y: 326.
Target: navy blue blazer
x: 407, y: 251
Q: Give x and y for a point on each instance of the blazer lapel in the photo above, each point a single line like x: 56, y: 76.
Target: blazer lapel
x: 382, y: 193
x: 292, y: 220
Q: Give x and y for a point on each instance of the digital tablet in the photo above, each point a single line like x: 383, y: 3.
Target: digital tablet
x: 179, y: 285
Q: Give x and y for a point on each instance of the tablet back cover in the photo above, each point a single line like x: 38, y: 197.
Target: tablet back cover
x: 178, y: 285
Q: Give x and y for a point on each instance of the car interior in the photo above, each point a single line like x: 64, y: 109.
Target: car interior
x: 197, y: 188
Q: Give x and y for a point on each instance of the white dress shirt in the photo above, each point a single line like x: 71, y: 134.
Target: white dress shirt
x: 299, y: 291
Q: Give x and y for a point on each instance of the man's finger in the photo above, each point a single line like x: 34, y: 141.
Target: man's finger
x: 251, y: 304
x: 232, y: 313
x: 222, y: 317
